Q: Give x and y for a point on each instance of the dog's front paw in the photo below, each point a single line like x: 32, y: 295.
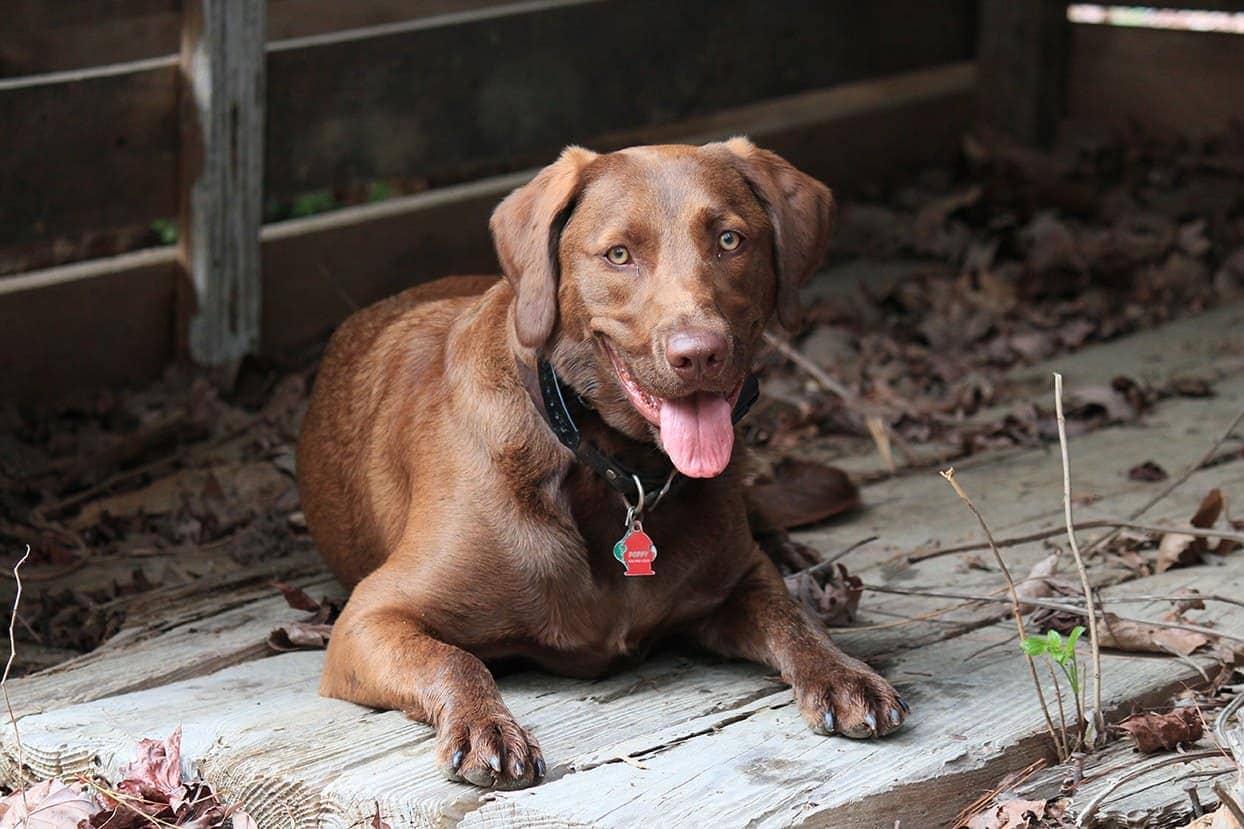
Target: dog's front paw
x: 853, y: 702
x: 489, y: 750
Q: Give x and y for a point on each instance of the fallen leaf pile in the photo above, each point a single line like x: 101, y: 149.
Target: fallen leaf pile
x: 1021, y: 259
x: 1152, y: 731
x: 151, y: 793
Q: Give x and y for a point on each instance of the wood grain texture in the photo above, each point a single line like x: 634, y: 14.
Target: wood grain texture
x: 1022, y: 55
x: 455, y: 102
x: 222, y: 175
x: 50, y: 343
x: 716, y: 742
x: 1168, y: 82
x: 85, y: 156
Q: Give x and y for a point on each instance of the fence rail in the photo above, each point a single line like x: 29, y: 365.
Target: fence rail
x: 450, y: 101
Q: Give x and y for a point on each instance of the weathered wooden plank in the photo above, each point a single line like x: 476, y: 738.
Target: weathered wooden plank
x: 86, y: 139
x: 719, y: 742
x: 1018, y: 492
x: 1167, y: 82
x: 515, y: 89
x: 55, y: 321
x: 222, y: 179
x: 55, y: 37
x: 196, y: 638
x: 1022, y: 56
x: 975, y: 718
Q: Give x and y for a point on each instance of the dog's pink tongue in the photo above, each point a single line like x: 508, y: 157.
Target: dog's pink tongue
x: 697, y: 433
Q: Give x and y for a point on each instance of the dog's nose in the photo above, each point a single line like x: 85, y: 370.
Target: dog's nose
x: 696, y: 353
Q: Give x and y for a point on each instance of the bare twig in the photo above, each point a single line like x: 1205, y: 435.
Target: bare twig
x: 1041, y: 535
x: 949, y: 475
x: 1090, y: 808
x: 4, y: 681
x: 1052, y: 604
x: 1177, y: 597
x: 812, y: 369
x: 877, y: 427
x: 1174, y: 483
x: 1062, y: 714
x: 1098, y: 720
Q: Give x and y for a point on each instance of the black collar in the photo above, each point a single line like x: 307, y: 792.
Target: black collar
x: 555, y: 404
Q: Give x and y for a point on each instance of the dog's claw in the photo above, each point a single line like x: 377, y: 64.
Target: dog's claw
x: 494, y: 763
x: 540, y: 769
x: 894, y: 716
x: 871, y: 721
x: 906, y: 708
x: 829, y: 721
x: 518, y: 768
x: 456, y: 762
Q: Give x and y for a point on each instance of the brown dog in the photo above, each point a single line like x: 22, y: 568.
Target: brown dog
x: 434, y: 485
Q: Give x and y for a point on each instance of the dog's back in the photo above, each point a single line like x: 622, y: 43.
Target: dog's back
x: 391, y: 350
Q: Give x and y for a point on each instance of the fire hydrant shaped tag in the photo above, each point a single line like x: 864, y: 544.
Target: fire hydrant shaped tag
x: 636, y: 551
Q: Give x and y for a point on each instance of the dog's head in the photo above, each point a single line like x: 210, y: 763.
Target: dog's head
x: 648, y: 276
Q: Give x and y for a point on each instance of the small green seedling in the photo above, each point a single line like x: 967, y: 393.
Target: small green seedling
x: 1062, y: 652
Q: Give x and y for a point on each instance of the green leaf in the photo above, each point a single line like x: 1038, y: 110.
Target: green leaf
x: 1074, y: 637
x: 1054, y: 638
x: 1033, y: 645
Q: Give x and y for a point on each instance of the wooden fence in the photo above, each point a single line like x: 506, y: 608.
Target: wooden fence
x: 225, y: 119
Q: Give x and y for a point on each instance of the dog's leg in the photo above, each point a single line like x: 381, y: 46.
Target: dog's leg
x: 379, y: 656
x: 835, y: 692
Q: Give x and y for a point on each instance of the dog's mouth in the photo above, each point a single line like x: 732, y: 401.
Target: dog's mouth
x: 697, y: 430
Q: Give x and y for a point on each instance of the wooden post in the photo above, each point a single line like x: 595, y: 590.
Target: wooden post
x: 1022, y: 67
x: 222, y: 154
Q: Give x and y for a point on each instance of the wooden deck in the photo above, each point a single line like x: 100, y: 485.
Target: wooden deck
x: 686, y: 740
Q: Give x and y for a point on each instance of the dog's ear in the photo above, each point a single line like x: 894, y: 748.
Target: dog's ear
x: 526, y: 228
x: 801, y: 210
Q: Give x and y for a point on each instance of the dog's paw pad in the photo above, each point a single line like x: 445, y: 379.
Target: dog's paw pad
x: 493, y: 752
x: 856, y: 704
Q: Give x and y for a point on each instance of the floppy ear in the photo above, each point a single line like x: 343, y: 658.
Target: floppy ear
x: 801, y: 210
x: 526, y: 228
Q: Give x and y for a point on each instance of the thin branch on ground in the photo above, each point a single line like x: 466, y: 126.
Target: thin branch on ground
x: 1062, y: 713
x: 1174, y: 597
x: 1052, y: 604
x: 4, y: 681
x: 1086, y: 816
x: 819, y: 566
x: 1173, y: 484
x: 1099, y: 523
x: 814, y: 371
x: 949, y: 475
x: 877, y: 427
x: 1098, y: 719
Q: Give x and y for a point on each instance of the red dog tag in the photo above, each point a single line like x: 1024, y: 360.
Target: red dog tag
x: 636, y: 551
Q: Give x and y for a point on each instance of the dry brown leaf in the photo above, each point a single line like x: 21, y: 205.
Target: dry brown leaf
x: 294, y: 636
x: 1010, y: 814
x: 831, y: 594
x: 1182, y: 550
x: 296, y: 597
x: 1139, y: 637
x: 46, y: 805
x: 1147, y: 471
x: 1211, y: 507
x: 1163, y: 732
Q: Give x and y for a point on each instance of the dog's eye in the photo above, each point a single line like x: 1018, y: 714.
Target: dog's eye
x: 729, y: 240
x: 618, y: 255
